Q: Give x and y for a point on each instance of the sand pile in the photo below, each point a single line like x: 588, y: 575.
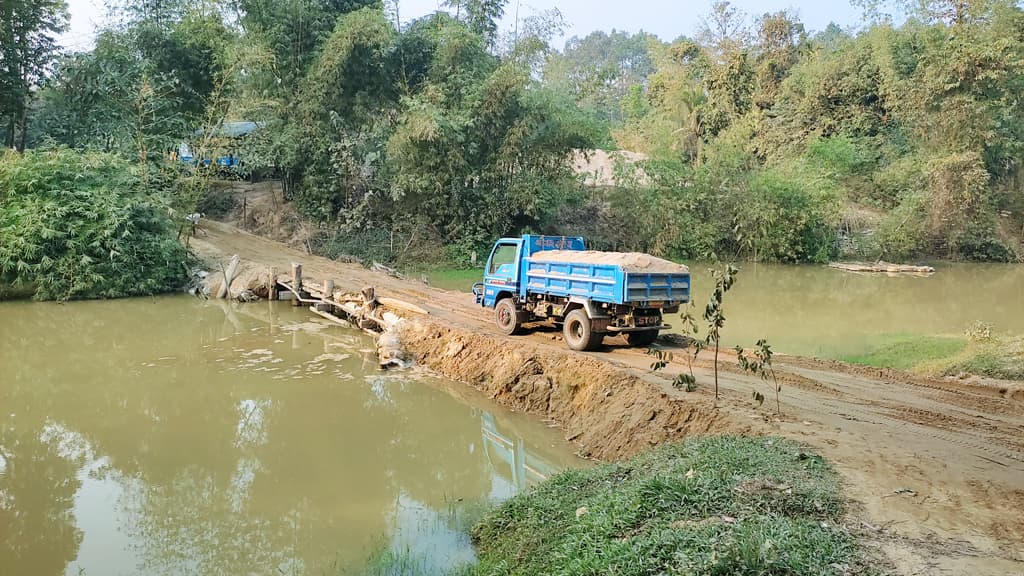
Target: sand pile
x: 634, y: 262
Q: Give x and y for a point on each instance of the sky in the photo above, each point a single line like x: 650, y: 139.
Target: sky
x: 668, y: 19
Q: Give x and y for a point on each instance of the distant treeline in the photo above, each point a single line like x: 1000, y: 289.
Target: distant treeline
x: 425, y: 139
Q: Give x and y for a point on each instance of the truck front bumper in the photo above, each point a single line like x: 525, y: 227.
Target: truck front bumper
x: 639, y: 328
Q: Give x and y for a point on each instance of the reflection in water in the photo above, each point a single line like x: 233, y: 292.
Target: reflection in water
x: 171, y: 436
x: 525, y: 469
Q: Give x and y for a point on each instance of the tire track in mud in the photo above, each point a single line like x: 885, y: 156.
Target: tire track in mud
x: 929, y: 424
x: 985, y: 398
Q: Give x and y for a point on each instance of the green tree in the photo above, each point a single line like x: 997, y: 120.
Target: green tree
x: 601, y: 69
x: 28, y: 43
x: 294, y: 31
x: 482, y: 16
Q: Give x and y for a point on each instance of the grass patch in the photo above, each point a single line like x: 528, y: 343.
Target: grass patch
x: 907, y: 352
x: 452, y: 279
x: 722, y: 505
x: 995, y: 357
x: 991, y: 356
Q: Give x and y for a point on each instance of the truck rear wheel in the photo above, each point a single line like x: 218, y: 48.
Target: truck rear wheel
x: 508, y: 318
x: 641, y: 338
x: 578, y: 332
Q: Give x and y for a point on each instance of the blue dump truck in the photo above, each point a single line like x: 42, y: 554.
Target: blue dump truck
x: 556, y: 279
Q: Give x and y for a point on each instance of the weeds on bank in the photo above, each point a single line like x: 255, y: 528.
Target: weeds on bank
x: 761, y: 365
x: 908, y: 352
x: 721, y: 505
x: 982, y: 352
x: 714, y: 314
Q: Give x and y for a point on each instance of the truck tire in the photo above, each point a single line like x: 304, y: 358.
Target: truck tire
x: 508, y: 318
x: 641, y: 338
x: 578, y: 333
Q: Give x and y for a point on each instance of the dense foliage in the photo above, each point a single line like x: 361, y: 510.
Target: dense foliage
x: 84, y: 226
x: 770, y: 143
x: 427, y: 132
x: 425, y: 139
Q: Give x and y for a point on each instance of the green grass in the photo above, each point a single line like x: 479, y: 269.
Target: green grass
x: 907, y: 352
x: 452, y: 279
x: 710, y: 506
x: 995, y: 356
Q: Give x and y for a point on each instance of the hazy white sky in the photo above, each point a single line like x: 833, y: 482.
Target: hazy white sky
x: 666, y: 18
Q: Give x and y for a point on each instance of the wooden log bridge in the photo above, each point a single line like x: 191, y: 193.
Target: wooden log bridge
x: 376, y: 315
x: 883, y: 268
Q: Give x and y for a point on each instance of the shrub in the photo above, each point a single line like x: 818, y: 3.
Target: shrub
x: 720, y: 505
x: 85, y: 225
x: 781, y: 217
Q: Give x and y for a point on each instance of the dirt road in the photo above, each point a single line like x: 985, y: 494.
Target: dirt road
x: 935, y: 467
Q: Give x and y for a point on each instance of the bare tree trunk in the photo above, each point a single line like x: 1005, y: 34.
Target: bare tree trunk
x: 9, y: 140
x: 23, y: 126
x: 716, y: 370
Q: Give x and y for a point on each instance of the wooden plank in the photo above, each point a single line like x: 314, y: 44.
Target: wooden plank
x: 882, y: 267
x: 297, y: 283
x: 331, y: 317
x: 296, y: 298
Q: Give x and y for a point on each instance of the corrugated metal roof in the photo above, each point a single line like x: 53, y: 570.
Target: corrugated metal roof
x: 234, y: 129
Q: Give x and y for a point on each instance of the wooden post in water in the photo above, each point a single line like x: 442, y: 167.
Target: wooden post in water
x: 297, y: 282
x: 329, y: 289
x: 369, y: 303
x: 369, y: 298
x: 272, y: 284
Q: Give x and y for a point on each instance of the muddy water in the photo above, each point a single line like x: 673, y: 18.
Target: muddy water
x: 819, y: 311
x: 172, y: 436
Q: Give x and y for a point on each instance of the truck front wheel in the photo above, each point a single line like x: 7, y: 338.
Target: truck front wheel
x: 578, y: 332
x: 508, y: 318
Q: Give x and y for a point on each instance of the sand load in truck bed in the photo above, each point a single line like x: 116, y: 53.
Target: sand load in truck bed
x: 632, y: 262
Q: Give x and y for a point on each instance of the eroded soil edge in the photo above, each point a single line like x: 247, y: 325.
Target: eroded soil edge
x: 611, y: 413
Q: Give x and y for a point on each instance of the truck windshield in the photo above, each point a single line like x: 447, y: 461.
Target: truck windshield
x: 503, y: 254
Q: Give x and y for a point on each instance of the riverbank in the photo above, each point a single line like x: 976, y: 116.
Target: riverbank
x: 718, y: 505
x: 884, y: 430
x: 978, y: 354
x: 713, y: 505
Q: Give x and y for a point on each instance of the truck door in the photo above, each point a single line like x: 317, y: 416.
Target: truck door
x: 502, y: 274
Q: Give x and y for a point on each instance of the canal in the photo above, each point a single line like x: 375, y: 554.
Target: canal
x: 175, y: 436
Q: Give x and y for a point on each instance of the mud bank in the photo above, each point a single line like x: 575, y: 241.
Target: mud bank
x: 610, y: 412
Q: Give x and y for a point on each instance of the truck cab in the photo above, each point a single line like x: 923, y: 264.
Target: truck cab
x: 504, y: 275
x: 555, y: 279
